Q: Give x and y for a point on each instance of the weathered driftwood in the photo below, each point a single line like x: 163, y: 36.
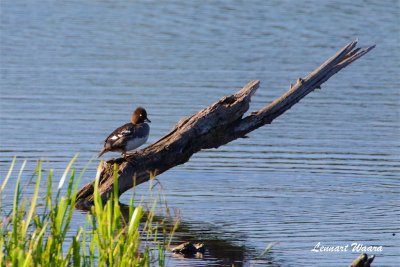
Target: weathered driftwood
x: 362, y: 261
x: 212, y: 127
x: 189, y: 249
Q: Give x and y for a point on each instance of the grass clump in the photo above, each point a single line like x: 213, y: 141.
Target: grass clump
x: 38, y: 232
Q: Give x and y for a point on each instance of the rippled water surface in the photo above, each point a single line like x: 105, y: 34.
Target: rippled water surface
x: 326, y: 171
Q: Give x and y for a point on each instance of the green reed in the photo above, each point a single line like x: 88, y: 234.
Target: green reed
x: 38, y: 232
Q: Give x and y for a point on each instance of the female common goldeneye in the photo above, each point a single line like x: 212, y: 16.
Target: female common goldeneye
x: 129, y: 136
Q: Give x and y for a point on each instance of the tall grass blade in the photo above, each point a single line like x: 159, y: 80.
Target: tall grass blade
x: 3, y: 185
x: 62, y: 180
x: 34, y: 199
x: 135, y: 220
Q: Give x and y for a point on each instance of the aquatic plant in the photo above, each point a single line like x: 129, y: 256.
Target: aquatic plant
x: 38, y: 232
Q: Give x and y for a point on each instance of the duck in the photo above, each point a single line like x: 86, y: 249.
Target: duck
x: 130, y: 135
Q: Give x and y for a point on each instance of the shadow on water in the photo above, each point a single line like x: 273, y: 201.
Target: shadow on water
x: 219, y: 251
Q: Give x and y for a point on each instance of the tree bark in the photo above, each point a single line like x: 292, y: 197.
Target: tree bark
x: 214, y: 126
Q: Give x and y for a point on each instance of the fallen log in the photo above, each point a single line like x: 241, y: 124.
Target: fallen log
x: 212, y: 127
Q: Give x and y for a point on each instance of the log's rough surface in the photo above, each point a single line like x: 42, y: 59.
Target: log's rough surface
x: 214, y: 126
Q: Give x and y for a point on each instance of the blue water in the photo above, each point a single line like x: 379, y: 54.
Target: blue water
x: 326, y: 171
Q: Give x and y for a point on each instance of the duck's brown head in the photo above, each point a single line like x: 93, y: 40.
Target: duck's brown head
x: 139, y: 116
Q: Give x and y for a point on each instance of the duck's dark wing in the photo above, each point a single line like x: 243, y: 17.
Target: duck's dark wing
x: 119, y: 132
x: 117, y: 137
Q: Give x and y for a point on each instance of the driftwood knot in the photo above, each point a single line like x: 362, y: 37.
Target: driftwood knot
x: 300, y: 81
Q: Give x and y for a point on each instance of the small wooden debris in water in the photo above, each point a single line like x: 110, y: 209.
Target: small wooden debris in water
x: 363, y: 261
x: 189, y: 249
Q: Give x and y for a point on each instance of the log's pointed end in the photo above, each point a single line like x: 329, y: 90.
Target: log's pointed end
x: 249, y: 89
x: 352, y: 49
x: 364, y: 50
x: 349, y: 47
x: 355, y: 42
x: 369, y: 48
x: 255, y: 85
x: 350, y: 53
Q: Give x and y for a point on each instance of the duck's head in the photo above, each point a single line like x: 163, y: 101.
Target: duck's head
x: 139, y: 116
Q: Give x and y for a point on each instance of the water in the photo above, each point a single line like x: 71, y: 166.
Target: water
x: 326, y: 171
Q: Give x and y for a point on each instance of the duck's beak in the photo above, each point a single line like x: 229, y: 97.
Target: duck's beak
x: 147, y: 120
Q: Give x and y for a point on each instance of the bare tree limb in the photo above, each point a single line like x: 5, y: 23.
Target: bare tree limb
x: 214, y: 126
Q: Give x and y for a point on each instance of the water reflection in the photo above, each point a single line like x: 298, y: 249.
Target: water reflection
x: 218, y: 252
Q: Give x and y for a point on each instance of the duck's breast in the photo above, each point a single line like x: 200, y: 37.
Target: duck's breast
x: 136, y: 142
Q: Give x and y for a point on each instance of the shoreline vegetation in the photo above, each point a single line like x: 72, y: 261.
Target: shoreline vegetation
x: 37, y: 231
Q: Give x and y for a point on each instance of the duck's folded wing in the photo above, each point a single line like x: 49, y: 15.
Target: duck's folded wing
x: 137, y: 134
x: 119, y: 134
